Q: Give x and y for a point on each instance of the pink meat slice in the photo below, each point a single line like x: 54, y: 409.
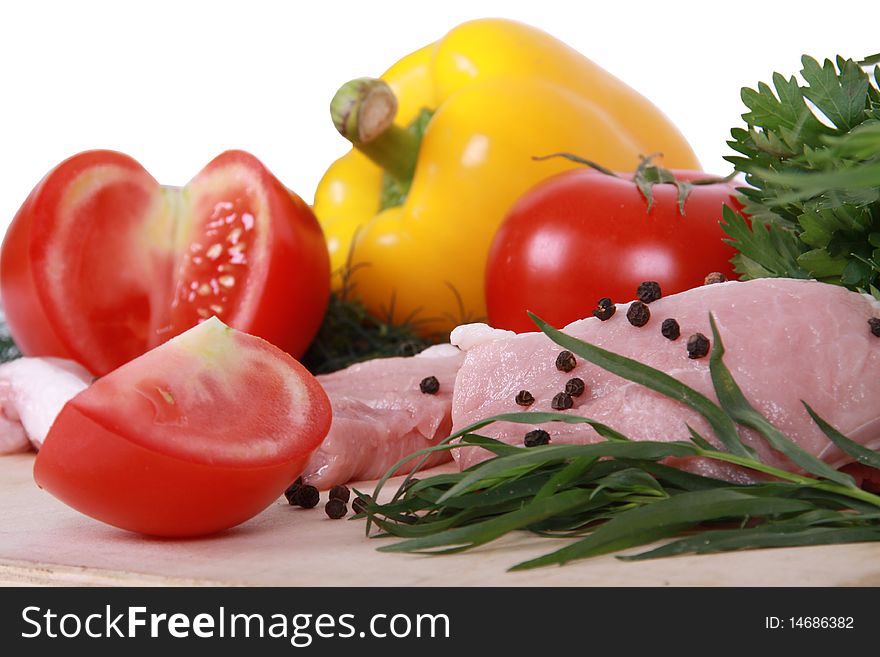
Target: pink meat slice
x: 32, y: 392
x: 380, y: 415
x: 786, y: 341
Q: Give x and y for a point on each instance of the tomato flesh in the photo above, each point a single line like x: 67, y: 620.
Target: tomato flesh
x: 102, y: 263
x: 214, y: 267
x: 583, y: 235
x: 193, y: 437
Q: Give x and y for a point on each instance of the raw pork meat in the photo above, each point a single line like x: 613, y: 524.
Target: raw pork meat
x: 380, y: 415
x: 32, y: 392
x: 786, y: 341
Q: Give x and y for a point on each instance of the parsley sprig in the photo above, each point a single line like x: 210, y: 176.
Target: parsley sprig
x: 811, y: 155
x: 616, y: 494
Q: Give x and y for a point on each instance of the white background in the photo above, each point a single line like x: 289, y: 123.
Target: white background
x: 175, y: 83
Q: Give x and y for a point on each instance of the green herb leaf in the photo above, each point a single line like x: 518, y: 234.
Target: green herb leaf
x: 551, y: 454
x: 768, y: 536
x: 665, y: 518
x: 570, y: 473
x: 814, y: 176
x: 616, y: 493
x: 478, y: 534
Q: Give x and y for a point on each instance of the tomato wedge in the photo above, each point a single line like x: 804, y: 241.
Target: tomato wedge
x: 102, y: 263
x: 195, y: 436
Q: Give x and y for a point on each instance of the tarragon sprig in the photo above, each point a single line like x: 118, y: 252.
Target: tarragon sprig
x: 616, y: 494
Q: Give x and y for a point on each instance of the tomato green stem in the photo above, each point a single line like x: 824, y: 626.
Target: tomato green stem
x: 363, y: 112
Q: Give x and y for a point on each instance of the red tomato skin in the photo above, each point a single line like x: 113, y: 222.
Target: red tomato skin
x: 103, y: 475
x: 583, y: 235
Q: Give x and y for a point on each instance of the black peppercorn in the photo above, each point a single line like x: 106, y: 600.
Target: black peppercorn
x: 562, y: 402
x: 292, y: 490
x: 648, y: 291
x: 715, y: 277
x: 638, y: 313
x: 670, y: 329
x: 360, y: 503
x: 575, y: 387
x: 697, y: 345
x: 536, y: 437
x: 335, y: 508
x: 874, y: 323
x: 524, y: 398
x: 429, y: 385
x: 340, y: 493
x: 605, y: 309
x: 565, y: 361
x: 307, y: 497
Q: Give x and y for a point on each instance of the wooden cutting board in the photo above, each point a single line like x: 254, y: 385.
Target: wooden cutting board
x: 44, y: 542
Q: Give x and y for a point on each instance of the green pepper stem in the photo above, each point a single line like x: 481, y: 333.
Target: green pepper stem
x: 363, y: 112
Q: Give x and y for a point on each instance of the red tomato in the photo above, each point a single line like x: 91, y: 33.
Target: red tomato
x: 101, y: 263
x: 584, y: 235
x: 195, y: 436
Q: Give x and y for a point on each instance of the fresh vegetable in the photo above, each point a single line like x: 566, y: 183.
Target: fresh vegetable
x: 197, y: 435
x: 101, y: 263
x: 630, y: 499
x: 443, y: 146
x: 814, y: 171
x: 586, y: 235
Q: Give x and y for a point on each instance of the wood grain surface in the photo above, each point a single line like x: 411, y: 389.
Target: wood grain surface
x: 43, y: 542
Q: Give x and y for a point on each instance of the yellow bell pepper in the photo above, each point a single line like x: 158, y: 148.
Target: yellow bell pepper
x: 502, y: 92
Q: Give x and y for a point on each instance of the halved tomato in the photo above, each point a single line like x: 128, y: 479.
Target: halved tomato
x: 197, y: 435
x: 101, y: 263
